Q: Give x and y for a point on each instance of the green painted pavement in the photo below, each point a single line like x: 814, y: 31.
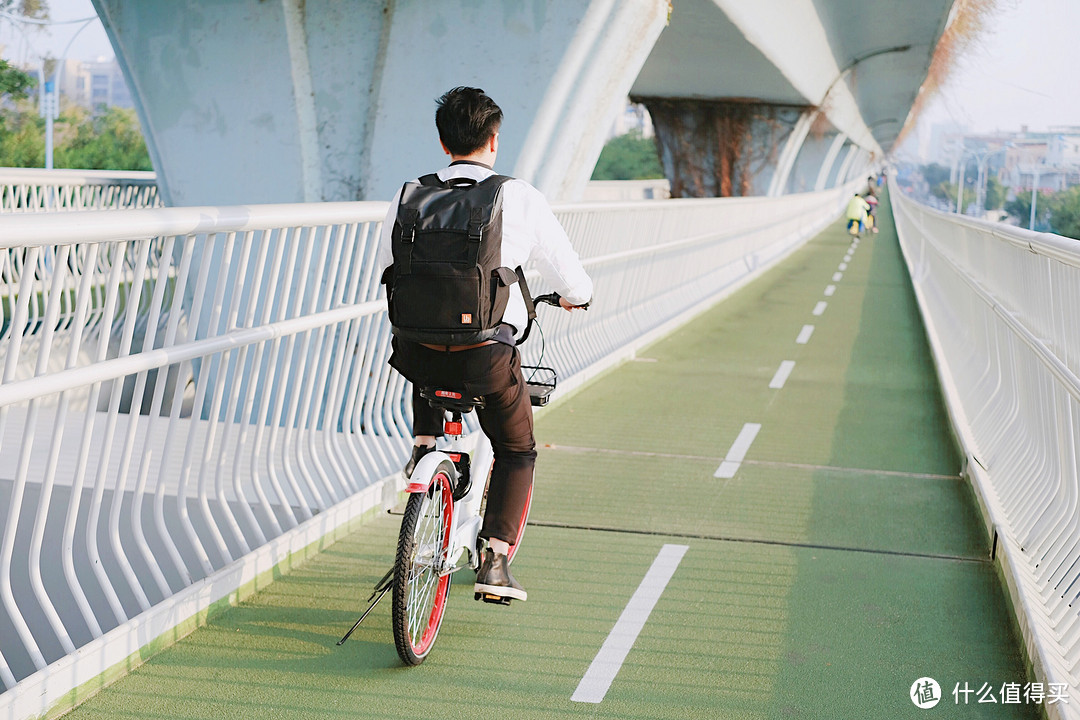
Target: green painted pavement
x: 843, y: 561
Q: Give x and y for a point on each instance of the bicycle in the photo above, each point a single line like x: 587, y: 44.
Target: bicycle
x: 441, y: 523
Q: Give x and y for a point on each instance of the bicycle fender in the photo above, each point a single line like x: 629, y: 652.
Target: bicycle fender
x: 424, y: 472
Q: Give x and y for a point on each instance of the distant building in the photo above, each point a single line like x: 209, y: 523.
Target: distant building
x: 944, y: 140
x: 1048, y: 160
x: 92, y: 85
x: 634, y: 117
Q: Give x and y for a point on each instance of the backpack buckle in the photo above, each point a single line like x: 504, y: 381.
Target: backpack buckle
x: 476, y: 224
x: 408, y: 225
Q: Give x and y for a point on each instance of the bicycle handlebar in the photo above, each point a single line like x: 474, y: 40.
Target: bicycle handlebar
x: 553, y: 299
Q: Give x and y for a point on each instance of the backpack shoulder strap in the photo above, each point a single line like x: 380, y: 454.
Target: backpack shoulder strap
x: 530, y: 306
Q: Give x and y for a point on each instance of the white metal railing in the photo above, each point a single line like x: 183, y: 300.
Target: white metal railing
x: 1000, y: 307
x: 35, y: 190
x: 190, y: 394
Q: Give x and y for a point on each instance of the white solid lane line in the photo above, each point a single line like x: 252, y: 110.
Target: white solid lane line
x: 605, y: 666
x: 738, y: 451
x: 782, y: 374
x: 804, y: 334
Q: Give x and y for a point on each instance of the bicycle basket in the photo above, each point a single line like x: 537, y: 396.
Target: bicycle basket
x: 540, y: 382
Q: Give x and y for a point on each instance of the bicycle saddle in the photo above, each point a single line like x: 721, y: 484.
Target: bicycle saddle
x: 451, y: 400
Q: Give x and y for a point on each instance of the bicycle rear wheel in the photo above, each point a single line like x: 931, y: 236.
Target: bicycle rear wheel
x: 421, y: 568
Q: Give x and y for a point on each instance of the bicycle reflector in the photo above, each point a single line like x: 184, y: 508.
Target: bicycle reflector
x: 452, y: 428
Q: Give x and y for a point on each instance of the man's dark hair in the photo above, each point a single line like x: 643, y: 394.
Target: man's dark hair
x: 466, y: 119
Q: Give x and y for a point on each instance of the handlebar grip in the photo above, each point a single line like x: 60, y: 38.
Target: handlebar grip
x: 554, y: 299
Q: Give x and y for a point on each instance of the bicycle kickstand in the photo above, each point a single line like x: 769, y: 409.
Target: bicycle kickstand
x: 381, y: 588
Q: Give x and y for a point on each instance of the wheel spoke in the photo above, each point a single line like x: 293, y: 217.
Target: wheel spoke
x: 422, y: 567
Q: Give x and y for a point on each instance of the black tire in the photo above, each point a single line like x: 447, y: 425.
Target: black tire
x: 421, y: 575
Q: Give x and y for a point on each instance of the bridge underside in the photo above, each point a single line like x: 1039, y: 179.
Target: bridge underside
x: 245, y: 101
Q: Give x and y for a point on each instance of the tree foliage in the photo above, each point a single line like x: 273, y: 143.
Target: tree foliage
x: 109, y: 140
x: 628, y: 157
x: 1064, y: 212
x: 935, y: 175
x: 1020, y: 209
x: 945, y: 190
x: 995, y: 194
x: 14, y: 83
x: 35, y: 9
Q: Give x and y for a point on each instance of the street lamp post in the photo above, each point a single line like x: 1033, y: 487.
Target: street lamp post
x: 984, y: 172
x: 52, y: 89
x: 960, y: 185
x: 49, y: 89
x: 1034, y: 196
x: 982, y: 168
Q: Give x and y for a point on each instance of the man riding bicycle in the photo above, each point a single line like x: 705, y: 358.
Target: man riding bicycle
x: 488, y: 366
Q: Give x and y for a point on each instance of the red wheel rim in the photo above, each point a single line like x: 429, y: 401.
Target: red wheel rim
x: 431, y: 629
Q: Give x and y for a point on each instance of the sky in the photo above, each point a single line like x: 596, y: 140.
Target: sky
x: 1020, y: 72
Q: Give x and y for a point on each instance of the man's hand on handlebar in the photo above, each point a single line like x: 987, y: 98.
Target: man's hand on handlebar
x: 558, y: 301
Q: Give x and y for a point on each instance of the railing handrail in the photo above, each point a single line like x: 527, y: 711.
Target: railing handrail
x: 998, y: 306
x: 89, y: 226
x: 42, y: 176
x: 1057, y: 247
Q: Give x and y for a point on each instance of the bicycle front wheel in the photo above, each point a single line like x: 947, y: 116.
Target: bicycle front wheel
x: 421, y: 568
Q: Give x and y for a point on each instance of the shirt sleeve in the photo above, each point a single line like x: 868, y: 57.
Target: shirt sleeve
x: 552, y: 253
x: 385, y: 256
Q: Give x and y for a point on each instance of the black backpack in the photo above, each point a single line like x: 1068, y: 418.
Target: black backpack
x: 447, y: 285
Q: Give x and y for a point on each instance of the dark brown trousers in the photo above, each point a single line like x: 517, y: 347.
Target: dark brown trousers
x: 494, y: 373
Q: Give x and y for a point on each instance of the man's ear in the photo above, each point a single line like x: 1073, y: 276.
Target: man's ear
x: 444, y: 148
x: 493, y: 143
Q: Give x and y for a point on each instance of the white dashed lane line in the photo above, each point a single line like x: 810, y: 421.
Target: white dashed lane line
x: 829, y: 290
x: 738, y: 451
x: 837, y: 277
x: 804, y: 334
x: 782, y: 374
x: 819, y: 309
x: 605, y: 666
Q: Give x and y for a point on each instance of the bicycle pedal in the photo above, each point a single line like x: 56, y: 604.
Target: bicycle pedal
x: 494, y: 599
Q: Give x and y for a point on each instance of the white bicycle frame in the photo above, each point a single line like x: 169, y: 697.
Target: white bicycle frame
x: 465, y: 519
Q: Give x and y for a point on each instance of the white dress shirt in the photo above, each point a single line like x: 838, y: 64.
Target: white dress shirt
x: 531, y: 234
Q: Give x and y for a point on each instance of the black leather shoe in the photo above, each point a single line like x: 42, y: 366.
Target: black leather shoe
x: 418, y: 452
x: 494, y: 583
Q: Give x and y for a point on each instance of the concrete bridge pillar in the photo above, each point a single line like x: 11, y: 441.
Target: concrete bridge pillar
x: 722, y: 148
x: 248, y: 101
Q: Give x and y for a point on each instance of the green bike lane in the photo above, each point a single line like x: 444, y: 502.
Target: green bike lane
x: 841, y: 561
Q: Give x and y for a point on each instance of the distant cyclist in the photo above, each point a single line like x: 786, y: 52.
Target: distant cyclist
x: 484, y: 363
x: 856, y: 214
